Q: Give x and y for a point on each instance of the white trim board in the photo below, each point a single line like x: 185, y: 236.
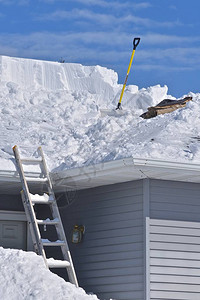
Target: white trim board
x: 123, y: 170
x: 12, y: 215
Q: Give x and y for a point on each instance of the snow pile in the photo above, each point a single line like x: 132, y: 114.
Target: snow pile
x: 24, y: 276
x: 58, y: 106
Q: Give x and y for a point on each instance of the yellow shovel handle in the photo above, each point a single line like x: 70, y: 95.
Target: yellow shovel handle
x: 129, y: 67
x: 135, y: 44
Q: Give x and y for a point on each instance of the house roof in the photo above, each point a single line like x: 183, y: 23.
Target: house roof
x: 112, y: 172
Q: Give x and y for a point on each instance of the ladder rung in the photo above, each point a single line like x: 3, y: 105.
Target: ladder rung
x: 32, y: 179
x: 44, y: 199
x: 48, y: 243
x: 31, y: 160
x: 48, y: 222
x: 42, y: 202
x: 53, y: 263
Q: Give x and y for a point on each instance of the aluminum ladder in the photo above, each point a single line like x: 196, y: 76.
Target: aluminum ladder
x: 29, y: 200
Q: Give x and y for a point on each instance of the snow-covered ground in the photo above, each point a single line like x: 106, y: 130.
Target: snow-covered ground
x: 58, y: 106
x: 23, y: 276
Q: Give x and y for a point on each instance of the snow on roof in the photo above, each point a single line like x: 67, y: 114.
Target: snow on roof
x: 57, y: 106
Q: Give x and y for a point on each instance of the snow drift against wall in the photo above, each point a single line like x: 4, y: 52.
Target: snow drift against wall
x: 57, y: 106
x: 24, y: 276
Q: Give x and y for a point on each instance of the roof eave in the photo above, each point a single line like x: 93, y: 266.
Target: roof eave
x: 118, y: 171
x: 123, y: 170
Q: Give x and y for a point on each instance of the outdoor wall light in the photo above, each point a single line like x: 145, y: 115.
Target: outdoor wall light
x: 77, y: 233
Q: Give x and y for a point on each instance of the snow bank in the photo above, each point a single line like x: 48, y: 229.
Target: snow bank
x: 58, y: 106
x: 50, y: 76
x: 24, y: 276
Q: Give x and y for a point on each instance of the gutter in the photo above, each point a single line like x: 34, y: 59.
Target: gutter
x: 127, y: 169
x: 136, y: 163
x: 166, y: 164
x: 94, y: 168
x: 121, y: 170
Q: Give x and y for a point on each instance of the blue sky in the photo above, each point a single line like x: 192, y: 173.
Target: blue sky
x: 101, y: 32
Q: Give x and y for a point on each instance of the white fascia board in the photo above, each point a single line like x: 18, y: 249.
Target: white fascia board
x: 154, y: 163
x: 126, y: 170
x: 96, y: 175
x: 94, y: 168
x: 137, y: 163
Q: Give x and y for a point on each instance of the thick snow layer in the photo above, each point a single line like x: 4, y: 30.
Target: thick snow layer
x: 58, y: 106
x: 24, y: 276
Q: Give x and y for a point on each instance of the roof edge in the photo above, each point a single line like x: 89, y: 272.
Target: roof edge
x: 126, y: 169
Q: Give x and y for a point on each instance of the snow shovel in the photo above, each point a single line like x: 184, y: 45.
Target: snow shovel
x: 118, y: 110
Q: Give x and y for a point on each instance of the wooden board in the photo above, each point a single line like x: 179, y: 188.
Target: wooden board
x: 165, y: 106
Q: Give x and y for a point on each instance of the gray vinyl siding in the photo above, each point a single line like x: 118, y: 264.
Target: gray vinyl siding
x: 174, y: 260
x: 110, y: 260
x: 172, y: 200
x: 174, y: 240
x: 11, y: 202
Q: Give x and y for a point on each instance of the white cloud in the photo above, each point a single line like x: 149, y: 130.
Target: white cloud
x: 163, y: 39
x: 104, y: 19
x: 17, y: 2
x: 108, y: 4
x: 163, y: 67
x: 77, y: 47
x: 173, y: 7
x: 176, y: 57
x: 115, y: 4
x: 6, y: 2
x: 120, y: 39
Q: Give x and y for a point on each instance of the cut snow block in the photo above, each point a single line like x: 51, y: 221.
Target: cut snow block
x: 165, y: 106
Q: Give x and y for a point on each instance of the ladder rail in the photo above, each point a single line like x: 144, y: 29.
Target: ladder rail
x: 65, y: 249
x: 37, y: 241
x: 28, y: 206
x: 45, y: 169
x: 59, y: 228
x: 31, y: 216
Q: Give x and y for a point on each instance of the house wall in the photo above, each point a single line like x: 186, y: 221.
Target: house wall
x: 139, y: 235
x: 110, y: 260
x: 11, y: 202
x: 174, y: 240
